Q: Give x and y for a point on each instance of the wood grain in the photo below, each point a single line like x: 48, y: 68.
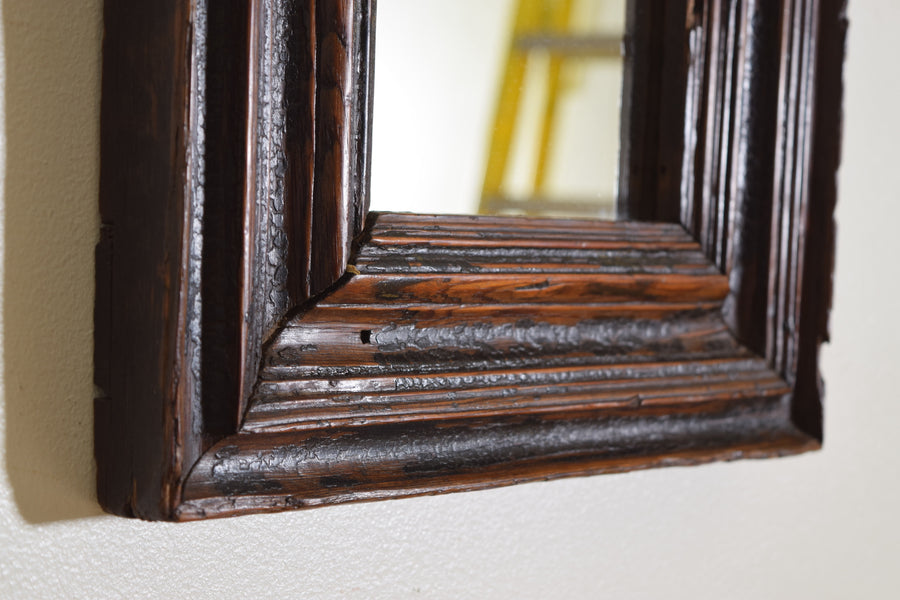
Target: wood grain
x: 148, y: 269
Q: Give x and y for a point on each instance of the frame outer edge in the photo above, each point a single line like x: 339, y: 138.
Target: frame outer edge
x: 821, y: 228
x: 146, y: 426
x: 148, y: 429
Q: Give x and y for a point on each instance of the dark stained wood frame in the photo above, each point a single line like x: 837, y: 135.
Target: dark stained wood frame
x: 264, y: 344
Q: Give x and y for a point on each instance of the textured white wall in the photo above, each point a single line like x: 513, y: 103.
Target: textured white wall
x: 824, y: 525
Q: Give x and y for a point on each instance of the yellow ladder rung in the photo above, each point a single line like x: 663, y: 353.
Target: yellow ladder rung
x: 590, y: 45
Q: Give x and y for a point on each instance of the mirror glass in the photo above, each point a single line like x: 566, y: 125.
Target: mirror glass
x: 497, y: 107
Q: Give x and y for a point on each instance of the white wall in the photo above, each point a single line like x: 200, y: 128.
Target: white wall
x: 824, y: 525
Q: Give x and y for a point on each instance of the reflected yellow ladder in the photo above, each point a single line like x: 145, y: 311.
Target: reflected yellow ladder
x: 539, y: 26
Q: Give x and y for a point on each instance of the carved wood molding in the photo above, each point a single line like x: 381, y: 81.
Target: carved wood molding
x: 263, y: 346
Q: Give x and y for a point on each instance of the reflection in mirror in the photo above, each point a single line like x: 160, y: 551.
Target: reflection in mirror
x: 497, y: 107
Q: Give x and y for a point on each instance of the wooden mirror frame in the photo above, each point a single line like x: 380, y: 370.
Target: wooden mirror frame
x: 263, y: 344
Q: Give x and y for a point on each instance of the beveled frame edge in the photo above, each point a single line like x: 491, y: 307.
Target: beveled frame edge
x: 153, y: 434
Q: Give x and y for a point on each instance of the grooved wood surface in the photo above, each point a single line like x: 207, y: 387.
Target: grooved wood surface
x: 271, y: 472
x: 432, y: 328
x: 418, y: 373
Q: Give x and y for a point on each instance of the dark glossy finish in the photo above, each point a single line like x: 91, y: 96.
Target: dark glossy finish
x: 655, y: 77
x: 815, y: 279
x: 310, y: 82
x: 409, y: 354
x: 148, y: 322
x: 274, y: 472
x: 225, y: 155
